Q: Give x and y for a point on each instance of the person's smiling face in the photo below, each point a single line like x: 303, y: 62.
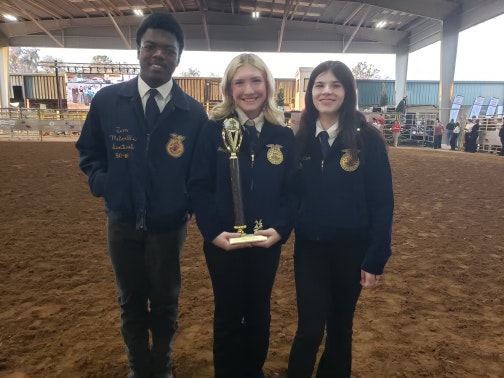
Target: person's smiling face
x: 248, y: 90
x: 328, y: 94
x: 158, y: 55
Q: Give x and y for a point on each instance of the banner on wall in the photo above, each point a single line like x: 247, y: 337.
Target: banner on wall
x: 476, y: 108
x: 492, y: 106
x: 455, y: 108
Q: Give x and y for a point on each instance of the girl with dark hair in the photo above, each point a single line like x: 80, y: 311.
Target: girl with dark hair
x: 344, y: 221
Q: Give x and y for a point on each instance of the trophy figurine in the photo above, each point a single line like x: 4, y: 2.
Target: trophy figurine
x: 232, y: 137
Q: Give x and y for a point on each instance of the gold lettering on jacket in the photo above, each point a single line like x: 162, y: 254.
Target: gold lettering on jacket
x: 122, y: 140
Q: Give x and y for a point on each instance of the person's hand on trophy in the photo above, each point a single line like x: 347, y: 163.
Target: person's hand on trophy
x: 272, y: 235
x: 222, y: 241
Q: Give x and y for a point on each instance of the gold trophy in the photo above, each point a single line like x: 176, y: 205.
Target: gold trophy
x: 232, y: 137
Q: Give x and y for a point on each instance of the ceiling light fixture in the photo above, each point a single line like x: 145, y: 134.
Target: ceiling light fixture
x: 255, y: 14
x: 381, y: 24
x: 138, y: 12
x: 10, y: 17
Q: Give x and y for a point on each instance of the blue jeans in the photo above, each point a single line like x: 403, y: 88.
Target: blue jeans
x: 449, y: 134
x: 147, y: 270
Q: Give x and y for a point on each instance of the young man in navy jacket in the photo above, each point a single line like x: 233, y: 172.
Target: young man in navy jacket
x: 136, y: 147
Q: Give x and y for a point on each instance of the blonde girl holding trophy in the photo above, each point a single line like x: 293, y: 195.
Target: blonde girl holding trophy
x: 240, y: 185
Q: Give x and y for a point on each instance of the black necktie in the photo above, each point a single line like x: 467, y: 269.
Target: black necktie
x: 324, y: 143
x: 252, y: 131
x: 152, y: 109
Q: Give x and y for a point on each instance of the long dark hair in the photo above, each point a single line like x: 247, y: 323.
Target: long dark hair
x: 350, y: 119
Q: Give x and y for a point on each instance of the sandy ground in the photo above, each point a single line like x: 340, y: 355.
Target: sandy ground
x: 439, y: 311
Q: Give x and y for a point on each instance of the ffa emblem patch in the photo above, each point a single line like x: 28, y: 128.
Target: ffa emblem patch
x: 345, y: 162
x: 274, y: 154
x: 175, y: 146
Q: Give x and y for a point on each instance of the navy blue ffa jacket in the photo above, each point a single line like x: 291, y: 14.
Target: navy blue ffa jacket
x: 141, y: 176
x: 344, y: 206
x: 264, y: 181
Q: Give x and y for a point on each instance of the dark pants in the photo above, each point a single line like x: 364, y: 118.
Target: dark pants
x: 437, y: 141
x: 502, y: 148
x: 327, y: 287
x: 242, y: 281
x: 147, y: 270
x: 453, y: 141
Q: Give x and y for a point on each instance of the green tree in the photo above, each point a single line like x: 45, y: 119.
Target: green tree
x: 101, y: 59
x: 23, y: 60
x: 383, y: 95
x: 191, y: 72
x: 364, y: 70
x: 280, y: 98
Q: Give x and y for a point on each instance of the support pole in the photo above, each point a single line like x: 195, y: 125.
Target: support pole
x: 58, y: 89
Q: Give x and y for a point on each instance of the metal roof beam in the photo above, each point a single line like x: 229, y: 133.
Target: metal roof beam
x: 349, y: 18
x: 203, y: 8
x: 282, y: 27
x: 40, y: 26
x: 436, y: 9
x: 41, y: 7
x: 119, y: 31
x: 168, y: 4
x: 356, y: 29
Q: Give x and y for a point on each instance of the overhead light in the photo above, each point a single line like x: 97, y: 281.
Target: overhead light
x: 138, y: 12
x: 10, y: 17
x: 255, y: 14
x: 381, y: 24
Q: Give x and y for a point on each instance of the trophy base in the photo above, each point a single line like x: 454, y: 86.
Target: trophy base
x: 247, y: 238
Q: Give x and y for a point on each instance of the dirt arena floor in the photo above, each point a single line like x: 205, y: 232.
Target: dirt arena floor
x: 439, y: 311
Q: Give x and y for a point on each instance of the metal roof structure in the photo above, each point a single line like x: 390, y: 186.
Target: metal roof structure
x: 375, y: 26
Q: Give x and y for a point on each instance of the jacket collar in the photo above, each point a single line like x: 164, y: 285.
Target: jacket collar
x: 179, y: 100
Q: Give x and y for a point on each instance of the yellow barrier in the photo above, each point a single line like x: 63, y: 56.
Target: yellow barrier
x: 43, y: 114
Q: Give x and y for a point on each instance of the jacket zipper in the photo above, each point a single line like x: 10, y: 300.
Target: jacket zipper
x: 252, y: 156
x: 141, y: 221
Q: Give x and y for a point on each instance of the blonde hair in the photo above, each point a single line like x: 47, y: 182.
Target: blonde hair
x: 272, y: 114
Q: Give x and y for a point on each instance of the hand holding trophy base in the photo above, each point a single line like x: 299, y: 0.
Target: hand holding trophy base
x: 246, y: 238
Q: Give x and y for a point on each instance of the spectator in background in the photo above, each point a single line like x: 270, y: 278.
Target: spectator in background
x: 438, y: 133
x: 471, y: 138
x: 501, y: 136
x: 81, y: 95
x: 396, y: 132
x: 89, y: 95
x: 75, y: 95
x: 377, y: 125
x: 469, y: 125
x: 455, y: 136
x: 381, y: 121
x: 449, y: 130
x: 401, y: 107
